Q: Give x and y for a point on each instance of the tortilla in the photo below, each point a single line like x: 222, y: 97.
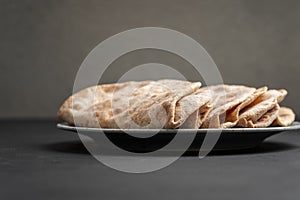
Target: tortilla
x: 195, y: 120
x: 260, y: 106
x: 233, y: 115
x: 87, y: 104
x: 148, y: 104
x: 285, y: 117
x: 265, y: 120
x: 174, y: 104
x: 192, y: 109
x: 154, y: 105
x: 223, y: 99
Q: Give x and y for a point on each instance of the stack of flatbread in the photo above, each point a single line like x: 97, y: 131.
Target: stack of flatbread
x: 174, y: 104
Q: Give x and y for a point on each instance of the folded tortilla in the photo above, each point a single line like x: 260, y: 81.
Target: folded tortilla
x: 233, y: 115
x: 223, y: 99
x: 147, y: 104
x: 174, y: 104
x: 285, y: 117
x: 265, y: 120
x: 185, y: 109
x: 263, y: 110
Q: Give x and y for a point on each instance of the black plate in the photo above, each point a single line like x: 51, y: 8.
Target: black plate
x: 230, y: 139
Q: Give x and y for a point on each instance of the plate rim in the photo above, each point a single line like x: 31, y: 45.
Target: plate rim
x: 293, y: 127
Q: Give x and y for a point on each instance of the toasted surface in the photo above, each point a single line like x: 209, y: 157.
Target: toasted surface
x: 260, y: 106
x: 223, y: 99
x: 148, y: 104
x: 175, y: 104
x: 266, y: 119
x: 285, y: 117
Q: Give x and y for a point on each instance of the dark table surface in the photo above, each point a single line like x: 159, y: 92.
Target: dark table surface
x: 38, y: 161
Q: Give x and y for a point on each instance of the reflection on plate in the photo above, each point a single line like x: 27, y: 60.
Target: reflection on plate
x: 230, y: 139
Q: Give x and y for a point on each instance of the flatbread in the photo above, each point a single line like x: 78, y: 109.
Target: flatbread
x: 148, y: 104
x: 223, y: 99
x: 154, y: 106
x: 174, y: 104
x: 87, y: 104
x: 285, y: 117
x: 192, y: 109
x: 266, y: 119
x: 195, y: 120
x: 260, y: 106
x: 233, y: 115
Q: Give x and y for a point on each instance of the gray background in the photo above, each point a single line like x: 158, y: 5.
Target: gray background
x: 42, y: 44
